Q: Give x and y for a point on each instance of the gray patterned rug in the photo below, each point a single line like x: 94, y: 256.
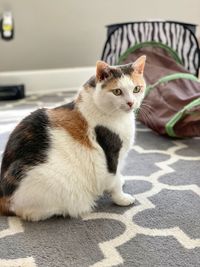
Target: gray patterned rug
x: 161, y: 229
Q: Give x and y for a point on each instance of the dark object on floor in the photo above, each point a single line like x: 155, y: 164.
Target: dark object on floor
x: 12, y: 92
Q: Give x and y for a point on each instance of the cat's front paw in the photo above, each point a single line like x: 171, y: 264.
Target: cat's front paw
x: 123, y: 199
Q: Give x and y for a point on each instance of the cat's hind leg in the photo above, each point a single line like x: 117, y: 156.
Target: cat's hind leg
x: 33, y: 215
x: 41, y: 202
x: 34, y: 200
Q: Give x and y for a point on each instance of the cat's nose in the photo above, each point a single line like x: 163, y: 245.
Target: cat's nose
x: 130, y: 104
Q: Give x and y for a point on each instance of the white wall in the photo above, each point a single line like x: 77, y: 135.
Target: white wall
x: 69, y: 33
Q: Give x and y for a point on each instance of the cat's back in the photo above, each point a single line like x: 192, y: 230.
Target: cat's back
x: 28, y: 143
x: 48, y: 154
x: 47, y: 138
x: 69, y: 119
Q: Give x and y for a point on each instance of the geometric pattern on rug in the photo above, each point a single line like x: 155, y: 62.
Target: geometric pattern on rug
x: 161, y: 229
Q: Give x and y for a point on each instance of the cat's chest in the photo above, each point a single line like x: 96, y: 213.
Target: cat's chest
x: 115, y: 140
x: 124, y: 128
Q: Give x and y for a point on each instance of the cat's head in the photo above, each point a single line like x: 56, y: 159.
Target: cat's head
x: 119, y: 88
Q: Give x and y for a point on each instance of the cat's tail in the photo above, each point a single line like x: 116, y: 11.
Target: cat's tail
x: 5, y: 206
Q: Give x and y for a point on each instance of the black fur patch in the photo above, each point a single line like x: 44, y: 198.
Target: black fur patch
x: 117, y: 73
x: 121, y: 70
x: 111, y: 144
x: 91, y: 82
x: 127, y: 69
x: 27, y: 147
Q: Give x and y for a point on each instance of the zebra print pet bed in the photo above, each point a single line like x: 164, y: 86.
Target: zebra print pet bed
x: 178, y: 36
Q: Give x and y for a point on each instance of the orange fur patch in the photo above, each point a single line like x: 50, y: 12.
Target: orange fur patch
x: 73, y: 122
x: 5, y: 206
x: 138, y: 79
x: 110, y: 84
x: 113, y: 82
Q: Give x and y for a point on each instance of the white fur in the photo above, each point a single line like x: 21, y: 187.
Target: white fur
x: 107, y: 102
x: 75, y: 176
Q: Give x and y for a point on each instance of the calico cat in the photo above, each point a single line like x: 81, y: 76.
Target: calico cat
x: 59, y: 161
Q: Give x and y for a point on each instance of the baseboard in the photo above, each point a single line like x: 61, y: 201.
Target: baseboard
x: 41, y: 81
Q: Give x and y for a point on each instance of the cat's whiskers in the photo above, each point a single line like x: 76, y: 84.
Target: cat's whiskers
x: 146, y: 111
x: 146, y: 105
x: 146, y: 114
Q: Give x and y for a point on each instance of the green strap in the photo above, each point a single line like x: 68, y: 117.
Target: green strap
x: 171, y: 77
x: 171, y: 123
x: 132, y: 49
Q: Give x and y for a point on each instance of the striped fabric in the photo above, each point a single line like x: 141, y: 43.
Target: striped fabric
x: 175, y: 35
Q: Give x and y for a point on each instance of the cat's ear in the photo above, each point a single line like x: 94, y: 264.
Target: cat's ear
x: 139, y: 64
x: 102, y: 70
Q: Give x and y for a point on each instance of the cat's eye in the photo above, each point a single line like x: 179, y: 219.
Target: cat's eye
x: 117, y: 92
x: 137, y: 89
